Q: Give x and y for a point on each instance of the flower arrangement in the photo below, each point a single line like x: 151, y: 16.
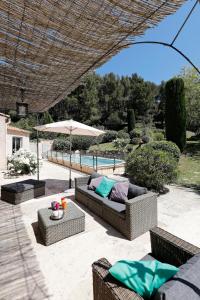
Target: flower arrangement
x: 22, y: 162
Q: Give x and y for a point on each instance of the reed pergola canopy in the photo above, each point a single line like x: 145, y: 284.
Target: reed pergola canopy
x: 47, y: 47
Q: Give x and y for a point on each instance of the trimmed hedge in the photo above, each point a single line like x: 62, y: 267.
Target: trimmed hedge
x: 166, y: 146
x: 151, y: 167
x: 109, y: 136
x: 122, y: 135
x: 61, y: 145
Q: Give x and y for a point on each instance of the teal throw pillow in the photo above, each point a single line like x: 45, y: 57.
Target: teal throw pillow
x: 105, y: 186
x: 143, y: 277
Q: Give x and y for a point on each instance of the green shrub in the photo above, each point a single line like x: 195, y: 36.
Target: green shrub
x: 175, y: 112
x: 135, y: 141
x: 151, y: 168
x: 122, y: 135
x: 109, y: 136
x: 22, y: 162
x: 135, y: 133
x: 129, y: 148
x: 145, y: 139
x: 121, y: 144
x: 158, y: 136
x: 61, y: 145
x: 168, y: 147
x: 82, y: 142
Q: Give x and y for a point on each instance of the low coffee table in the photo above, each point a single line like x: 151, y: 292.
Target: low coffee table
x: 53, y: 231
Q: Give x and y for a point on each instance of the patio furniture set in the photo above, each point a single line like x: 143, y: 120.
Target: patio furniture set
x: 133, y: 218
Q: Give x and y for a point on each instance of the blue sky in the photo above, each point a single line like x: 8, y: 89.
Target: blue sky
x: 155, y: 62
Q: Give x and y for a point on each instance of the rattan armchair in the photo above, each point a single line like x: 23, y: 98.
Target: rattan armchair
x: 164, y: 247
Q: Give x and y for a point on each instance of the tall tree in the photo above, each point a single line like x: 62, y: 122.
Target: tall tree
x: 175, y: 112
x: 47, y: 118
x: 131, y: 119
x: 192, y: 96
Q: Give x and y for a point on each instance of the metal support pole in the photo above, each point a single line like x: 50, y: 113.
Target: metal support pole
x: 70, y: 160
x: 38, y: 162
x: 114, y: 165
x: 96, y: 163
x: 80, y: 160
x: 93, y: 160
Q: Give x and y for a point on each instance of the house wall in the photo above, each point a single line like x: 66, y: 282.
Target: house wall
x: 3, y: 131
x: 25, y: 142
x: 44, y: 147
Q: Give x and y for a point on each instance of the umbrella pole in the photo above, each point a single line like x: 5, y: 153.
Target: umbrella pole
x: 38, y: 164
x: 70, y: 159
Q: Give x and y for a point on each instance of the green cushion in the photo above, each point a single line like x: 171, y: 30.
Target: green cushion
x: 143, y: 277
x: 105, y: 186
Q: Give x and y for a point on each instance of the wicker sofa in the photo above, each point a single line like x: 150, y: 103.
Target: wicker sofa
x: 164, y: 247
x: 132, y: 219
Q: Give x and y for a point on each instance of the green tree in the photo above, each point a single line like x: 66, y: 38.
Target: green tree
x: 192, y: 97
x: 175, y: 112
x: 131, y: 119
x: 47, y: 118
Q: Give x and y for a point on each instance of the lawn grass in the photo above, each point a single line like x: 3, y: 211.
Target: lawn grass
x: 189, y: 165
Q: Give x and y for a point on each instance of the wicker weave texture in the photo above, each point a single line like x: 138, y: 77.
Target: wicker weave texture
x: 140, y: 214
x: 53, y: 231
x: 170, y: 248
x: 165, y: 247
x: 105, y: 287
x: 47, y: 47
x: 17, y: 198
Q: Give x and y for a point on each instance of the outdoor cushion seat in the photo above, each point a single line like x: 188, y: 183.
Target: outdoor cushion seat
x: 185, y: 285
x: 35, y: 183
x: 118, y: 207
x: 90, y: 193
x: 167, y: 248
x: 21, y: 191
x: 132, y: 218
x: 17, y: 187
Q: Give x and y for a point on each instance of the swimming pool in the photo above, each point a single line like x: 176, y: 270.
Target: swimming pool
x: 88, y: 160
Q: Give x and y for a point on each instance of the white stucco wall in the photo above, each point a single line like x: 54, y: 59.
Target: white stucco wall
x: 44, y: 147
x: 3, y: 130
x: 25, y: 142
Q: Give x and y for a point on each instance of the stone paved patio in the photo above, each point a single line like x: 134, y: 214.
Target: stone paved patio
x: 66, y: 265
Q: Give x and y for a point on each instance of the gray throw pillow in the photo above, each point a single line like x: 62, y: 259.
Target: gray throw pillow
x: 92, y: 176
x: 119, y: 192
x: 94, y: 183
x: 135, y: 190
x: 185, y: 285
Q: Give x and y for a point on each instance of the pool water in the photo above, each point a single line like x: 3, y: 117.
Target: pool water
x: 88, y: 160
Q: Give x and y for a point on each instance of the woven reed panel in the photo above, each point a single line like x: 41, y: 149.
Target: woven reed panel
x: 46, y: 46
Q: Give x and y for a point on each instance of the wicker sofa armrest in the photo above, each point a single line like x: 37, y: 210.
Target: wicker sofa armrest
x: 106, y: 287
x: 169, y: 248
x: 81, y: 180
x: 141, y: 214
x: 143, y: 197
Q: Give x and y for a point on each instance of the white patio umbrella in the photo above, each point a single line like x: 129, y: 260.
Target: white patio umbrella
x: 70, y: 127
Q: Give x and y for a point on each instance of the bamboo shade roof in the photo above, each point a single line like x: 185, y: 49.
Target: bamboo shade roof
x: 48, y: 46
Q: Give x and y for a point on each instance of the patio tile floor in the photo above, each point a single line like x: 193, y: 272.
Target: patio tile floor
x: 66, y: 265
